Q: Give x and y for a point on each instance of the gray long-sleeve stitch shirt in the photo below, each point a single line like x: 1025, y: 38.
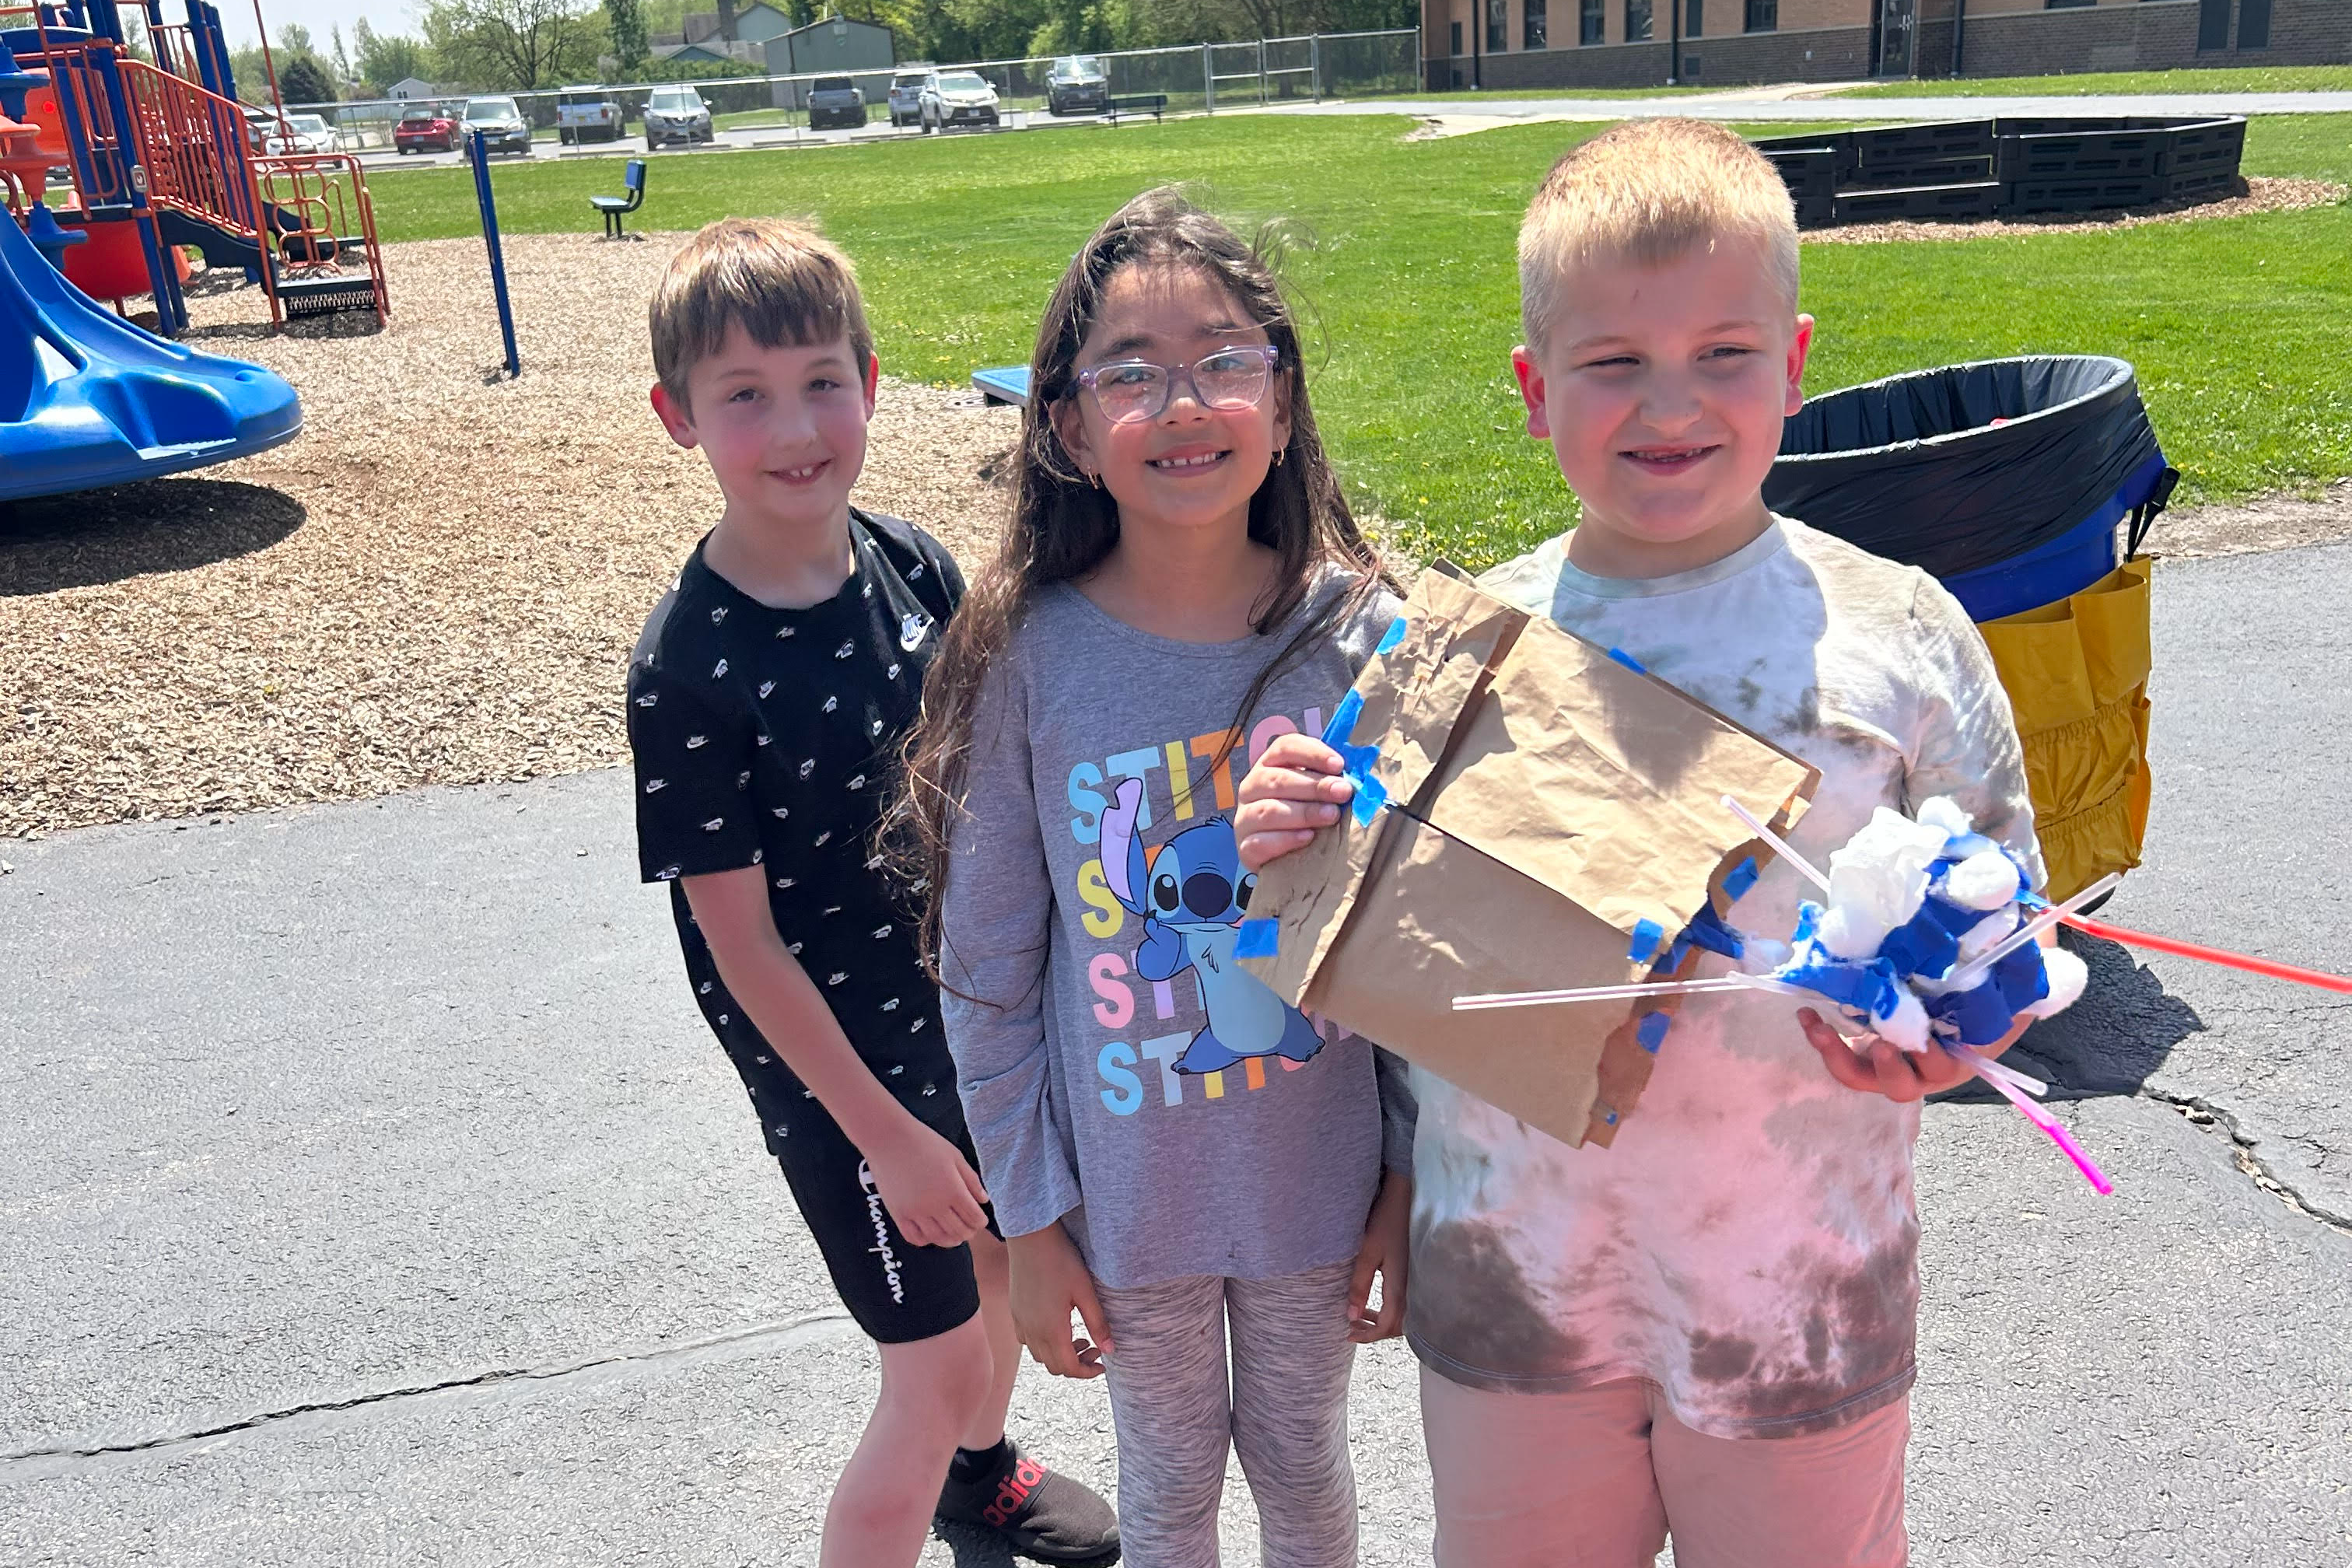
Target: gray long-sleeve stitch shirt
x: 1120, y: 1071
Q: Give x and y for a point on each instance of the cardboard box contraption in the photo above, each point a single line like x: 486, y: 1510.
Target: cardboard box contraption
x: 1531, y: 810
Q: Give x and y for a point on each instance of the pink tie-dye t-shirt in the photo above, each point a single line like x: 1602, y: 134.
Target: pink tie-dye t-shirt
x: 1750, y: 1242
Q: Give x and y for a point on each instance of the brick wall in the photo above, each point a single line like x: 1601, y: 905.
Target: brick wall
x: 2142, y: 35
x: 1819, y: 54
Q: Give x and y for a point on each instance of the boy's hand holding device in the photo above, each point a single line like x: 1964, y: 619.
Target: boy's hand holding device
x: 1386, y: 1245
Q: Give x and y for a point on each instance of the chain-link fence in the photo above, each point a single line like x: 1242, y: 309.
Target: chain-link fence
x: 1192, y: 78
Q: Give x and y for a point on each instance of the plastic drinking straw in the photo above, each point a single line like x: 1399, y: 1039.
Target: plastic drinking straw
x: 2007, y: 1074
x: 2039, y: 1118
x: 1779, y: 844
x: 1635, y: 992
x: 2275, y: 970
x: 1966, y: 977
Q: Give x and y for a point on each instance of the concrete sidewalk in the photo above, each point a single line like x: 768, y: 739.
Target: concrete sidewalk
x: 373, y: 1195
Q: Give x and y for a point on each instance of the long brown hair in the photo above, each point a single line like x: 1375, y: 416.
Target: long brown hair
x: 1062, y: 527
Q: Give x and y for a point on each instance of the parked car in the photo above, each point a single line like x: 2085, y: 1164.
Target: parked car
x: 500, y: 122
x: 426, y: 131
x: 588, y: 115
x: 296, y: 136
x: 906, y: 95
x: 834, y: 100
x: 1077, y: 85
x: 957, y: 97
x: 675, y: 114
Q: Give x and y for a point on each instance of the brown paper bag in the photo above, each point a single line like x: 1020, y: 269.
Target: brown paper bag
x: 1546, y: 818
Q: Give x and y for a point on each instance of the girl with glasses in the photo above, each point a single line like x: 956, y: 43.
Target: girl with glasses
x: 1207, y: 1178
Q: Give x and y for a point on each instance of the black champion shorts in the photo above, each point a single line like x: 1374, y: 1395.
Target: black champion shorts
x: 898, y: 1292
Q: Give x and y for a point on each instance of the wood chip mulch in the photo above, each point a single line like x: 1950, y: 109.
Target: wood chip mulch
x: 438, y: 582
x: 2259, y: 194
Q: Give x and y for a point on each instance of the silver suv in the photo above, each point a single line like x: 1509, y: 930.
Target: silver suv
x: 906, y: 95
x: 675, y: 114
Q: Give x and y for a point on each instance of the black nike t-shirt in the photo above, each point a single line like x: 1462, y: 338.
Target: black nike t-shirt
x: 768, y: 738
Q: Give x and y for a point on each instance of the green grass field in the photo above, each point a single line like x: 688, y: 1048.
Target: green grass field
x: 2237, y: 326
x: 2232, y: 78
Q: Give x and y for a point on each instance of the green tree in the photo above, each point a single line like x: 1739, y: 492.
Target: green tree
x: 305, y: 79
x: 383, y: 58
x: 625, y: 20
x: 340, y: 59
x: 516, y: 44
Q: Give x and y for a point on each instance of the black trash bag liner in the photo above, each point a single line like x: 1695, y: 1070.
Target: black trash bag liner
x: 1913, y: 468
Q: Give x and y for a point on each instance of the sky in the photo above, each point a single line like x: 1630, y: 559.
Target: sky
x: 237, y: 17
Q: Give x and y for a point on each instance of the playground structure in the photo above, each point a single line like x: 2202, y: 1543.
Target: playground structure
x: 161, y: 155
x: 109, y: 166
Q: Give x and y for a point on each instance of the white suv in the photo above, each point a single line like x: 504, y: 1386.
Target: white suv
x: 957, y: 97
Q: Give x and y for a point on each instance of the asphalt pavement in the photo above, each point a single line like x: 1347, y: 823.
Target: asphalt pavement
x: 373, y: 1195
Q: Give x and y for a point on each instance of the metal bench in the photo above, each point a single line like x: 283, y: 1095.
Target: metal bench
x: 1151, y: 104
x: 633, y: 179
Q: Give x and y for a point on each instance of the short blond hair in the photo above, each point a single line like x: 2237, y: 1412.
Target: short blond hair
x: 779, y: 280
x: 1648, y: 191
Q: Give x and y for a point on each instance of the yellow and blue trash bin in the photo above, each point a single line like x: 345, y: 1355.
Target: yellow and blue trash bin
x: 2027, y: 487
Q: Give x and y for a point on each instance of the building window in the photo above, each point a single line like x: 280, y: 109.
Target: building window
x: 2065, y: 4
x: 1588, y: 21
x: 1498, y: 26
x: 1763, y: 16
x: 1694, y: 19
x: 1637, y: 20
x: 2254, y: 23
x: 1454, y: 43
x: 2213, y: 25
x: 1532, y: 27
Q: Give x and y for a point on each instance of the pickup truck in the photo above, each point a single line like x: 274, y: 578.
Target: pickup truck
x: 587, y: 114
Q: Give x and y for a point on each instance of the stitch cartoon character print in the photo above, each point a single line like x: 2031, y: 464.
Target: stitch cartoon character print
x: 1191, y: 893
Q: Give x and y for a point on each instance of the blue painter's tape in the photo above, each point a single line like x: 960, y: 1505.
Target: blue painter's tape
x: 1628, y: 660
x: 1391, y: 637
x: 1741, y: 877
x: 1652, y: 1031
x: 1257, y: 939
x: 1343, y: 721
x: 1370, y: 793
x: 1647, y: 936
x: 1610, y: 1120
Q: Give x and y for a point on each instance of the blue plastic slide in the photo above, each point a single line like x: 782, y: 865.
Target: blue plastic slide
x: 87, y: 399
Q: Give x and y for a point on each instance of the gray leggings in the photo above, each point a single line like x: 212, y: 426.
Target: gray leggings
x: 1283, y: 1409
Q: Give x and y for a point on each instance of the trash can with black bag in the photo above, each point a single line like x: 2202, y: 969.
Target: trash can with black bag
x: 2027, y: 487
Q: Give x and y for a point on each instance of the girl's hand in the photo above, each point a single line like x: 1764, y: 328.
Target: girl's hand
x: 1296, y: 788
x: 929, y: 1188
x: 1384, y: 1252
x: 1049, y: 1283
x: 1874, y: 1066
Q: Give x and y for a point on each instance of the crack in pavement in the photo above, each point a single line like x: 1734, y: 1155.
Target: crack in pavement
x: 2202, y: 1112
x: 42, y: 1464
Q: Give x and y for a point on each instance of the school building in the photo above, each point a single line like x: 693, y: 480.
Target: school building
x: 1502, y: 44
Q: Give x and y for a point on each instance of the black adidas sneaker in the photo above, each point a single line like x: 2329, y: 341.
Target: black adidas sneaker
x: 1039, y: 1513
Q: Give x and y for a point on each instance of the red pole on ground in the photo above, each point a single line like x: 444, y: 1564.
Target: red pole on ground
x: 2265, y: 966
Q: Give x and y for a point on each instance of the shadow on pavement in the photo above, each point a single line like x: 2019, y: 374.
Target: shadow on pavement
x: 99, y: 536
x: 2109, y: 1042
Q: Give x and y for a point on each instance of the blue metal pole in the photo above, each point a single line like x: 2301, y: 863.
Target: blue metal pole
x: 497, y: 255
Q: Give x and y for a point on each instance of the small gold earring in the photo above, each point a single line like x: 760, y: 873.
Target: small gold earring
x: 1094, y: 479
x: 1279, y: 455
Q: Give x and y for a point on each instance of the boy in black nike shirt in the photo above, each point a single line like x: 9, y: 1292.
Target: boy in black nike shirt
x: 767, y: 697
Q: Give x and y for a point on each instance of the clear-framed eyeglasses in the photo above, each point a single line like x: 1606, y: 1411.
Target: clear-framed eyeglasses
x: 1130, y: 391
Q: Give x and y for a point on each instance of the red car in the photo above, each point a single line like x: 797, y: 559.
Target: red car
x: 426, y: 131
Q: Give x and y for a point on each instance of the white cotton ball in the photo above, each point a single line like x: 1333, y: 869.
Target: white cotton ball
x: 1985, y: 881
x: 1906, y: 1026
x: 1849, y: 932
x: 2068, y: 974
x: 1761, y: 955
x: 1881, y: 874
x: 1945, y: 813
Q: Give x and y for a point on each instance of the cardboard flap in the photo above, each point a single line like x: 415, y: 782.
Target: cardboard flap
x: 1605, y: 784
